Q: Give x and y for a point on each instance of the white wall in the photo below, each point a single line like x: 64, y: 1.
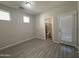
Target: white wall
x: 16, y: 30
x: 54, y: 12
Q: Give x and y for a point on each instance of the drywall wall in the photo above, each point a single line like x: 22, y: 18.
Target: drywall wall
x: 16, y: 30
x: 54, y: 12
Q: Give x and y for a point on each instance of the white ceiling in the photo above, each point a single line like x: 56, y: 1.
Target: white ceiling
x: 36, y: 7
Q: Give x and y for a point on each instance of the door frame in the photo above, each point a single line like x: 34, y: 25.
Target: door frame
x: 52, y: 28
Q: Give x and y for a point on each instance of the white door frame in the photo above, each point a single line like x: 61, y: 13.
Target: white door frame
x: 52, y: 29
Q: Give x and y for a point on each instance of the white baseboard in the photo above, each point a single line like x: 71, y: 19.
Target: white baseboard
x: 10, y: 45
x: 39, y: 37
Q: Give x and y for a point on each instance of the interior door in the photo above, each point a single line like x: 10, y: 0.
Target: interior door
x: 67, y: 29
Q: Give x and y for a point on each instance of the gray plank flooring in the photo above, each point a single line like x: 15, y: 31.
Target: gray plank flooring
x: 37, y: 48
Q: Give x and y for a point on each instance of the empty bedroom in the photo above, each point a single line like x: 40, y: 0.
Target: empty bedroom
x: 39, y: 29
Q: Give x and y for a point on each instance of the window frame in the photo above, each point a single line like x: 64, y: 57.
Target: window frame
x: 27, y: 19
x: 5, y: 11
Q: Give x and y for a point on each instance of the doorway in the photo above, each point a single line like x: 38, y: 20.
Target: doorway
x: 48, y: 28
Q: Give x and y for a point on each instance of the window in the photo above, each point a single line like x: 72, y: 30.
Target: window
x: 4, y: 15
x: 26, y: 19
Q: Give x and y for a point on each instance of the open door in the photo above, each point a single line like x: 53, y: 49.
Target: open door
x: 49, y: 28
